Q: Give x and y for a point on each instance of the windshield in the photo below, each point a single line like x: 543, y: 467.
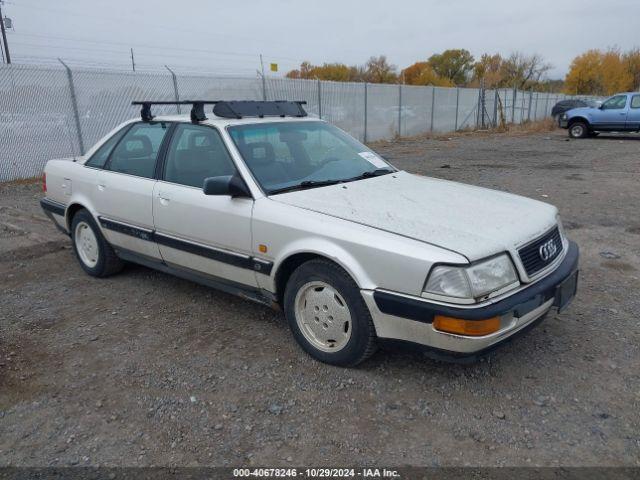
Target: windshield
x: 287, y: 156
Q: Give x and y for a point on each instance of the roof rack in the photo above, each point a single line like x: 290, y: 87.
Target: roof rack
x: 230, y: 108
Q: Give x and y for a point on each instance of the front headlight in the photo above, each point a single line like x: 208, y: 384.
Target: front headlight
x: 473, y: 281
x: 564, y: 116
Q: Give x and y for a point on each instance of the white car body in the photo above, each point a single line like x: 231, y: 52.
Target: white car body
x: 387, y: 232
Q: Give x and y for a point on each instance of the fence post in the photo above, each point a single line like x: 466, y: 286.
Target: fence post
x: 535, y: 112
x: 74, y: 105
x: 365, y: 112
x: 546, y: 105
x: 433, y: 106
x: 530, y: 100
x: 513, y: 104
x: 175, y: 87
x: 319, y: 99
x: 399, y: 109
x: 495, y: 108
x: 457, y: 104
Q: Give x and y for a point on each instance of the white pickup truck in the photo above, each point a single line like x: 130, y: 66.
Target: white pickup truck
x: 261, y: 200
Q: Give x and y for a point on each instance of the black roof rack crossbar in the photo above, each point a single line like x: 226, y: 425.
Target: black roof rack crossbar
x: 197, y: 108
x: 230, y: 108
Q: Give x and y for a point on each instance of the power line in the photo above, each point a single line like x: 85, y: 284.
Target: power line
x: 156, y: 46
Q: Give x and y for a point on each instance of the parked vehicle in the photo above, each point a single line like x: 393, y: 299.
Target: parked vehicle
x: 565, y: 105
x: 262, y: 201
x: 620, y: 113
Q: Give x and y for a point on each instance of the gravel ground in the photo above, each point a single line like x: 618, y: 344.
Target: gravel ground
x: 146, y: 369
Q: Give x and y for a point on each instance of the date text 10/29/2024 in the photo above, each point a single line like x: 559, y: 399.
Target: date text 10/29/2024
x: 316, y: 472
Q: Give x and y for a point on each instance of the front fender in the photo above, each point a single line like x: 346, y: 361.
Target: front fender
x: 326, y: 248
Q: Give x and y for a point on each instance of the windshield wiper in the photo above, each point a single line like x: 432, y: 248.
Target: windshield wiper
x: 369, y: 174
x: 305, y: 185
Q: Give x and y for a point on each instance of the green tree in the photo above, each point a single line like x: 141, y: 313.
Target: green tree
x: 454, y: 64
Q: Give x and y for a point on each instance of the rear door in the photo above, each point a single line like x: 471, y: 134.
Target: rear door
x: 205, y: 233
x: 633, y: 117
x: 612, y: 115
x: 124, y: 188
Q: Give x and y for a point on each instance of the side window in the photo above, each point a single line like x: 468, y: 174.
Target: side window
x: 615, y: 103
x: 99, y: 158
x: 195, y: 153
x: 137, y: 152
x: 635, y: 101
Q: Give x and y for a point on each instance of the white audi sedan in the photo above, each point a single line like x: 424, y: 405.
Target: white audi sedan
x: 260, y: 200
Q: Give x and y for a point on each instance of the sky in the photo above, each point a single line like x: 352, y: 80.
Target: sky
x: 227, y: 37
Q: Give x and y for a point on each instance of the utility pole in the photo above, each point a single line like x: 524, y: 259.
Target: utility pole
x: 133, y: 62
x: 264, y: 82
x: 4, y: 36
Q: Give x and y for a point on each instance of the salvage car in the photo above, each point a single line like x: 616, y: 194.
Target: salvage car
x: 263, y: 201
x: 620, y: 113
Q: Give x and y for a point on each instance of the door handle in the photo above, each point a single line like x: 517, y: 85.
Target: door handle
x: 101, y: 187
x: 163, y: 200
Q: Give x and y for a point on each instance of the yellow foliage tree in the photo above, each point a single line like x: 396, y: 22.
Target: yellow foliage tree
x: 422, y: 73
x: 600, y: 73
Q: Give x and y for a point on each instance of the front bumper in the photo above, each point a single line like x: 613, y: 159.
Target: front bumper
x: 409, y: 319
x: 563, y: 123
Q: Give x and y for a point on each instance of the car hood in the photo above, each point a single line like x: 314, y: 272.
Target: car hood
x: 473, y: 221
x: 580, y: 111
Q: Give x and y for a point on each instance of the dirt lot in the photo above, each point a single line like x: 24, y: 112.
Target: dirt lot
x: 146, y: 369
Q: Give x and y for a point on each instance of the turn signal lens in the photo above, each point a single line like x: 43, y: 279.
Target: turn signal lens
x: 44, y: 182
x: 474, y: 328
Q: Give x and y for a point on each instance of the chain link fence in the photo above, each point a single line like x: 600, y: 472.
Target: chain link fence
x: 49, y: 112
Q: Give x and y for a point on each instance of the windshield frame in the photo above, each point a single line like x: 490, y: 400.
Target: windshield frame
x: 313, y: 184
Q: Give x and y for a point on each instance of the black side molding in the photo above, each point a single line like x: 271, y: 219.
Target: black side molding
x: 53, y: 206
x: 141, y: 233
x: 237, y: 260
x: 521, y: 303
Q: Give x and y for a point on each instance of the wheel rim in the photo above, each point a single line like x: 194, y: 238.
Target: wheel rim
x: 323, y: 316
x: 577, y: 130
x: 86, y: 244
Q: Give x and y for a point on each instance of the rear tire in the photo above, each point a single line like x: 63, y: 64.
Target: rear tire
x: 578, y: 130
x: 95, y: 255
x: 327, y: 314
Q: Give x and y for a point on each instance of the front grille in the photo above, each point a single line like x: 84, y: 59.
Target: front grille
x: 534, y: 258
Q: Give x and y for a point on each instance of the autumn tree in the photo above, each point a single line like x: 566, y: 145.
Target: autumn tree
x: 378, y: 70
x: 338, y: 72
x: 601, y: 73
x: 523, y: 71
x: 632, y: 62
x: 453, y: 64
x: 488, y: 68
x: 422, y: 73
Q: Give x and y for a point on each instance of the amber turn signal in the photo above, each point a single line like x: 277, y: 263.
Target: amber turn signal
x: 474, y: 328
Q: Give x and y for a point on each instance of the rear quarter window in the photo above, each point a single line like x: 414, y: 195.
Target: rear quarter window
x: 99, y: 158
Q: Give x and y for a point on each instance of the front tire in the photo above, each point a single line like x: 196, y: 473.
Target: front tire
x: 327, y: 314
x: 95, y: 255
x: 578, y: 130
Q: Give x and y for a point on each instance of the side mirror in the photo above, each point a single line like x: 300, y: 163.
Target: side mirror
x: 230, y: 185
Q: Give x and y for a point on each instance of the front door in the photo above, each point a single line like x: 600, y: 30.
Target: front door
x: 205, y: 233
x: 633, y: 117
x: 124, y: 189
x: 612, y: 114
